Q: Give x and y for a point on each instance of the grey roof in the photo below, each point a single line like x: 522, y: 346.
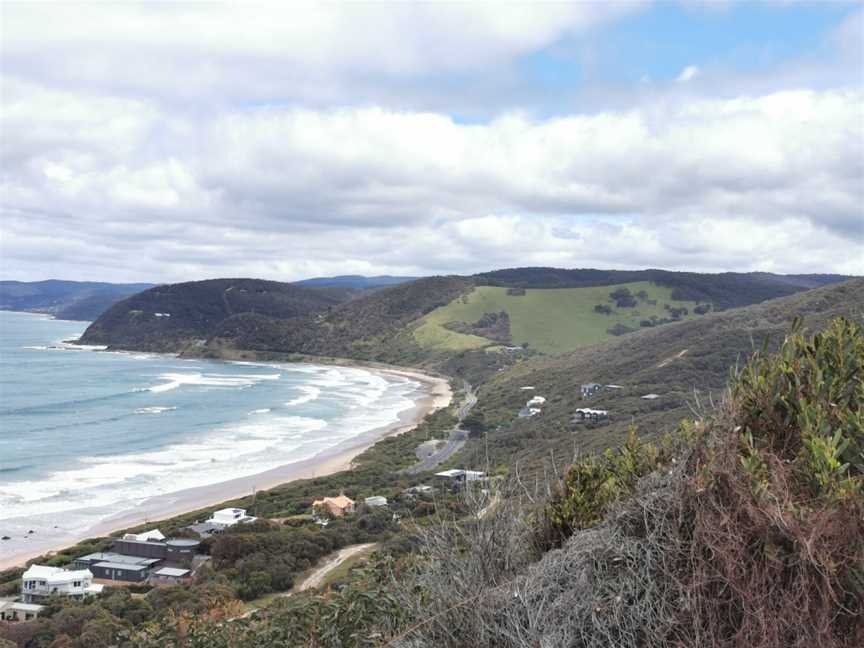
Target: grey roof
x: 109, y: 556
x: 122, y: 566
x: 171, y: 571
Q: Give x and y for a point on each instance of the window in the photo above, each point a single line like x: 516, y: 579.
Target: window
x: 76, y: 584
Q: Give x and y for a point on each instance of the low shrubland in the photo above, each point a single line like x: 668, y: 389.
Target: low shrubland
x: 746, y: 529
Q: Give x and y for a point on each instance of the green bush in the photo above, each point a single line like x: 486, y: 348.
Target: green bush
x: 806, y: 405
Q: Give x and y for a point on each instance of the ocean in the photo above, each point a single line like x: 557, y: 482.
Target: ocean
x: 87, y: 434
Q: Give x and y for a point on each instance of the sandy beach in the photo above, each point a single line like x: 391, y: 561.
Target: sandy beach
x: 437, y: 395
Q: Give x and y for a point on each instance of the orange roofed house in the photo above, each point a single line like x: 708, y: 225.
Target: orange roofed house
x: 338, y: 506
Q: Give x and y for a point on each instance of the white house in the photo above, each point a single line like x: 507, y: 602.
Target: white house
x: 229, y: 517
x: 40, y: 581
x: 461, y: 475
x: 375, y: 500
x: 588, y: 414
x: 153, y: 535
x: 537, y: 400
x: 589, y: 389
x: 14, y: 611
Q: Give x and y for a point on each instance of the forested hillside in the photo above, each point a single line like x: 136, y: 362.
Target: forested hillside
x: 73, y: 300
x: 167, y: 318
x: 432, y: 322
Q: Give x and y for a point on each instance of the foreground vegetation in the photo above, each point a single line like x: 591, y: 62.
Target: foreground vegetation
x: 742, y: 525
x: 745, y: 528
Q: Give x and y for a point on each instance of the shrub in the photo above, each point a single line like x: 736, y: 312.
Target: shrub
x: 603, y: 309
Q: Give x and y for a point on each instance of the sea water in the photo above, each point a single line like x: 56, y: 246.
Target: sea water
x: 86, y: 434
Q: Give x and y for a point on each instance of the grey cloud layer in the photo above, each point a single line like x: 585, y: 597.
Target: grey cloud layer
x: 767, y: 182
x: 135, y: 147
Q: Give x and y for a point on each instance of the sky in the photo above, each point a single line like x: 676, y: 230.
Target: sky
x: 166, y: 142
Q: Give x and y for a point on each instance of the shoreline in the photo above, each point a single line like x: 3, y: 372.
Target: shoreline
x: 436, y: 395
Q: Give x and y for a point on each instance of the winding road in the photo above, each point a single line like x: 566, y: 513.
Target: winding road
x: 455, y: 441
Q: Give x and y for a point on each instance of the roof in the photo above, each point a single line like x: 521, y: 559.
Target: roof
x: 123, y: 566
x: 341, y: 501
x: 588, y: 410
x: 591, y: 385
x: 23, y: 607
x: 152, y: 534
x: 453, y: 472
x: 118, y: 558
x: 651, y: 396
x: 55, y: 574
x: 172, y: 571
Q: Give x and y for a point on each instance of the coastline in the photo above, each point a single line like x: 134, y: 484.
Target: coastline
x: 437, y: 395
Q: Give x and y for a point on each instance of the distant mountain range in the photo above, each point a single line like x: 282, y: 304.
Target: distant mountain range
x: 438, y: 322
x: 73, y: 300
x: 87, y: 300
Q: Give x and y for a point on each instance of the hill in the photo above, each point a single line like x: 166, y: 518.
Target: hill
x: 354, y: 281
x: 375, y: 327
x: 73, y: 300
x: 724, y: 290
x: 455, y: 324
x: 685, y: 364
x: 170, y: 317
x: 553, y: 320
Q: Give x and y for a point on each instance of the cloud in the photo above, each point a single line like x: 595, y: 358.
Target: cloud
x: 766, y: 182
x: 160, y: 142
x: 277, y: 51
x: 688, y: 73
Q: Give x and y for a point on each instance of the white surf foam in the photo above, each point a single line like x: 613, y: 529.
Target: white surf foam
x: 154, y: 410
x: 175, y: 380
x: 236, y: 451
x: 310, y: 393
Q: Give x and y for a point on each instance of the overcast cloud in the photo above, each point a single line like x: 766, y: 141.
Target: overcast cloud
x: 179, y: 142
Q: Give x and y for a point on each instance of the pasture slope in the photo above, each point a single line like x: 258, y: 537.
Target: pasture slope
x: 549, y: 320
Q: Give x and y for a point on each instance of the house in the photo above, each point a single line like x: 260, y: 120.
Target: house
x: 125, y: 572
x: 170, y: 576
x: 13, y: 611
x: 527, y: 412
x: 112, y: 566
x: 650, y: 396
x: 421, y: 489
x: 587, y: 414
x: 153, y: 535
x: 614, y: 386
x: 229, y: 517
x: 589, y: 389
x: 457, y: 475
x: 139, y: 548
x: 40, y: 581
x: 337, y: 506
x: 537, y: 400
x: 375, y: 500
x: 527, y: 388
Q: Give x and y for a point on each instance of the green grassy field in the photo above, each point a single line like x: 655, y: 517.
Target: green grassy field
x: 550, y: 320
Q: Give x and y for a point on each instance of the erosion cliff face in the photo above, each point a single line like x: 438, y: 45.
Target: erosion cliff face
x: 168, y: 318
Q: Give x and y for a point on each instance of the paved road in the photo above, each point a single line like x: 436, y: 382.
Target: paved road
x: 455, y: 441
